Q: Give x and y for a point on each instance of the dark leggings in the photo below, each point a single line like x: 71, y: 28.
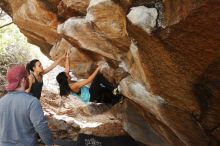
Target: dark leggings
x: 101, y: 91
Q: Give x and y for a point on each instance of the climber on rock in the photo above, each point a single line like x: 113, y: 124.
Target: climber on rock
x: 36, y: 73
x: 100, y: 90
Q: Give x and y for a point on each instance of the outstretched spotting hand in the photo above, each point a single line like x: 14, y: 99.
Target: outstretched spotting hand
x: 68, y: 53
x: 64, y: 55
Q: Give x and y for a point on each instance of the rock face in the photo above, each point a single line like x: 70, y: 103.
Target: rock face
x: 143, y: 17
x: 167, y: 63
x: 68, y: 117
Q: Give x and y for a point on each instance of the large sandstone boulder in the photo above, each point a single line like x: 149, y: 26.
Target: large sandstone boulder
x: 167, y: 61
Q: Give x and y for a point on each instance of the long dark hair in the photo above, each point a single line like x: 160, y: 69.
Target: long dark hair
x: 63, y: 84
x: 31, y: 65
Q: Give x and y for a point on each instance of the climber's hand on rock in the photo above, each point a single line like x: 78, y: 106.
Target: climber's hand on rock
x: 100, y: 63
x: 68, y: 53
x: 63, y: 56
x: 103, y: 65
x: 98, y: 68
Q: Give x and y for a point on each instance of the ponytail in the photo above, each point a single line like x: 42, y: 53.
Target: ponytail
x: 63, y: 84
x: 28, y: 68
x: 31, y: 65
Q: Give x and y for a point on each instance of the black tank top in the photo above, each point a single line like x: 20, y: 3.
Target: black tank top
x: 36, y: 88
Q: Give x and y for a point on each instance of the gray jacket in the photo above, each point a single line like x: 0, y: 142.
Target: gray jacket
x: 21, y: 116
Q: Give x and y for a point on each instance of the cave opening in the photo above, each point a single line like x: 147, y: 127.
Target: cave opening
x: 164, y: 54
x: 68, y: 117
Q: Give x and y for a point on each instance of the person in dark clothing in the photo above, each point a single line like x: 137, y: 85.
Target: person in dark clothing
x: 100, y: 90
x: 36, y: 73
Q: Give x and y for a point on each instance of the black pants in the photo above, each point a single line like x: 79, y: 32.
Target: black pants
x: 101, y: 91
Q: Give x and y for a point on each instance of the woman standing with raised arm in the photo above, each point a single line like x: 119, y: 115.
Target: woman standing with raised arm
x: 36, y: 73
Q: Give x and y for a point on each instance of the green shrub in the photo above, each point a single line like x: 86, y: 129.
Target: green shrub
x: 14, y: 48
x: 10, y: 56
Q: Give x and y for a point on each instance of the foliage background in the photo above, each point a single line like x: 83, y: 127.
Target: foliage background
x: 14, y: 48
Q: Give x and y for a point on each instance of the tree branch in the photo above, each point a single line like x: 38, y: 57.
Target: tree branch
x: 6, y: 25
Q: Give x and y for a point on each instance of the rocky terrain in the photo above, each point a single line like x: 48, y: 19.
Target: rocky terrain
x: 164, y: 54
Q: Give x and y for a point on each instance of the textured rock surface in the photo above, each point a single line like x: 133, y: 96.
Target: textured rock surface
x: 170, y: 78
x: 143, y: 17
x: 67, y: 117
x: 70, y: 8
